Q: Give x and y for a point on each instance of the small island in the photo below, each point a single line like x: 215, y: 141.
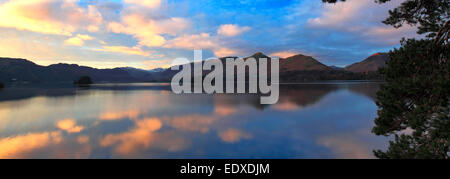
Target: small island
x: 83, y: 81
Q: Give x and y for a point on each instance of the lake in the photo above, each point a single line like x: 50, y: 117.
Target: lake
x: 313, y: 120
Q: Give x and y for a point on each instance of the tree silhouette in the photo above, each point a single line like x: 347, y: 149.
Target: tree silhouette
x: 84, y: 80
x: 414, y: 102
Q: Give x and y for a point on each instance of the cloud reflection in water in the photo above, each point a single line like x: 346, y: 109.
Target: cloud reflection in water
x: 143, y: 123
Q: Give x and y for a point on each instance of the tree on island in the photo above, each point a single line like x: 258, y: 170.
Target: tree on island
x: 84, y: 80
x: 414, y: 103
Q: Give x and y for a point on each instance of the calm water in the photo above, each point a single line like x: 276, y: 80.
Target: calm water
x: 326, y: 120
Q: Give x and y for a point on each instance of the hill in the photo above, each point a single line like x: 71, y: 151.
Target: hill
x: 371, y: 64
x: 302, y: 63
x: 297, y: 68
x: 26, y: 71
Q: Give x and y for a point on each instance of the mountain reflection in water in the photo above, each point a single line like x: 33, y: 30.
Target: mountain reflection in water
x: 316, y: 120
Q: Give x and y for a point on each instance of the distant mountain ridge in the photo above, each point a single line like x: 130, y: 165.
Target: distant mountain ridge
x: 297, y: 68
x: 336, y: 67
x: 12, y: 69
x: 157, y: 70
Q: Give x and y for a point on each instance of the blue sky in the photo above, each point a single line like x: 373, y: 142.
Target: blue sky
x: 150, y: 33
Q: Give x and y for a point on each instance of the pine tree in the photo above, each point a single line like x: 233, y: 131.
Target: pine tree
x: 414, y: 103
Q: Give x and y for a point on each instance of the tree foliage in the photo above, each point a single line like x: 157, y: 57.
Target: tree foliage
x: 415, y: 99
x: 414, y: 103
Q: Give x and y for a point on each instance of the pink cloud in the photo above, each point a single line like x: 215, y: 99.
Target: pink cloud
x: 283, y: 54
x: 231, y: 30
x: 233, y: 135
x: 49, y: 16
x: 149, y: 31
x: 145, y: 3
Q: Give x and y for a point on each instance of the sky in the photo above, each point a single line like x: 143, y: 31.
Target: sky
x: 149, y: 34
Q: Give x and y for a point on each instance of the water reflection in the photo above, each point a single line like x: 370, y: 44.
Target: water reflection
x: 148, y: 121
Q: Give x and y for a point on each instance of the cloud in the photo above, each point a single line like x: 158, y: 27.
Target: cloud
x: 46, y: 50
x: 153, y: 64
x: 222, y: 52
x: 74, y: 41
x: 16, y: 147
x: 49, y: 16
x: 362, y: 18
x: 390, y: 35
x: 193, y: 123
x: 286, y: 106
x: 145, y: 3
x: 83, y: 139
x: 231, y: 30
x: 141, y: 27
x: 196, y: 41
x: 78, y: 40
x: 224, y: 110
x: 200, y: 41
x: 283, y: 54
x: 32, y: 48
x: 85, y: 37
x: 141, y: 136
x: 336, y: 15
x: 346, y: 147
x: 111, y: 116
x: 125, y: 50
x: 233, y: 135
x: 149, y: 31
x: 69, y: 125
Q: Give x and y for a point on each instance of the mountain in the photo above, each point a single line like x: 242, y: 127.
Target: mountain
x: 136, y: 73
x: 157, y: 70
x: 16, y: 69
x: 257, y: 56
x: 295, y: 63
x: 297, y: 68
x: 336, y: 68
x: 371, y: 64
x: 301, y: 68
x: 302, y: 63
x: 23, y: 70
